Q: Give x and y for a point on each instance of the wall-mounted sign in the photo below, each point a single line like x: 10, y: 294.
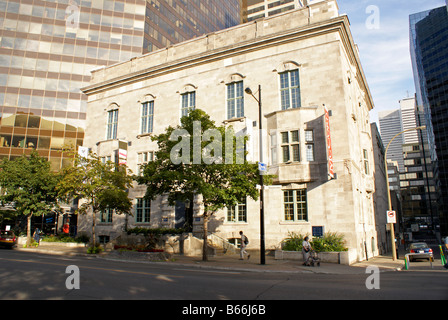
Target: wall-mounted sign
x: 329, y: 148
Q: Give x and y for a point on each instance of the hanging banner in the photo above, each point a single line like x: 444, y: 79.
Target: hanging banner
x: 329, y: 148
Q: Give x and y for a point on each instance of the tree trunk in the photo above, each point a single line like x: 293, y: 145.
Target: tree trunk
x: 28, y: 230
x: 204, y: 245
x: 93, y: 229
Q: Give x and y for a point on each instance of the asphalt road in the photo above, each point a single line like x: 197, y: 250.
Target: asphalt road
x: 32, y: 276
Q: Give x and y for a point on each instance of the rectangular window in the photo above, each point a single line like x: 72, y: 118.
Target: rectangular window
x: 188, y: 103
x: 290, y: 146
x: 309, y: 142
x: 106, y: 216
x: 290, y: 89
x: 142, y: 159
x: 365, y: 157
x: 147, y: 119
x: 112, y: 123
x: 295, y: 205
x: 274, y: 148
x: 237, y: 213
x: 235, y: 100
x: 143, y: 214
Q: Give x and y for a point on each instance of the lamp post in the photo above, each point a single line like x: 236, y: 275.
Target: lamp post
x: 262, y: 240
x: 392, y: 232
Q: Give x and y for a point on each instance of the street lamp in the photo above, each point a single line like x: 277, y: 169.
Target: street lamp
x: 392, y: 232
x: 262, y: 241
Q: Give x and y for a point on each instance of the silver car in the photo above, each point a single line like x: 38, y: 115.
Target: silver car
x: 420, y: 250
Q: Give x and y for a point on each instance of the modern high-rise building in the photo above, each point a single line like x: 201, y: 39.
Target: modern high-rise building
x: 256, y: 9
x: 390, y: 125
x: 48, y: 49
x: 429, y: 53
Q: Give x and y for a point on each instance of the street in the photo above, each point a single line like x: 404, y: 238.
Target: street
x: 33, y: 276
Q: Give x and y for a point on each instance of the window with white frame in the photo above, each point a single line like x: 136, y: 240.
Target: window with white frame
x: 147, y: 117
x: 365, y: 156
x: 143, y: 211
x: 106, y: 215
x: 309, y: 145
x: 112, y: 124
x: 188, y: 103
x: 274, y: 159
x: 290, y: 89
x: 295, y: 205
x: 235, y: 100
x: 142, y: 159
x: 237, y: 213
x: 290, y: 146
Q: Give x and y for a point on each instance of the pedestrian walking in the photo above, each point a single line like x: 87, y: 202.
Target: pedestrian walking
x: 244, y: 243
x: 306, y: 249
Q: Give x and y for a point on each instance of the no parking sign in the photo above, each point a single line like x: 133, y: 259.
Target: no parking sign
x: 391, y: 217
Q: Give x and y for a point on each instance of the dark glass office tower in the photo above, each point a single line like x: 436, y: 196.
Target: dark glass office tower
x: 49, y: 47
x: 429, y: 52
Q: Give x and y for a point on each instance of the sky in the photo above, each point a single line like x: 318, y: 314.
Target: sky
x: 380, y: 28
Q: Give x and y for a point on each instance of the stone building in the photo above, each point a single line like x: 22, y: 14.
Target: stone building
x: 305, y: 62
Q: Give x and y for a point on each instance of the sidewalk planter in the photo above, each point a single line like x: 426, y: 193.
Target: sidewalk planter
x: 62, y: 244
x: 344, y: 257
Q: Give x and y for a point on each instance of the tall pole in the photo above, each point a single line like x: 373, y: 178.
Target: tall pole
x: 262, y: 238
x: 392, y: 231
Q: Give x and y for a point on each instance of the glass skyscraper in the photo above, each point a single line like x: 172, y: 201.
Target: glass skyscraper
x: 429, y: 52
x: 48, y: 48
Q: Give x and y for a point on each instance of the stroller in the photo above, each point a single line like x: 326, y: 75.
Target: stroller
x: 312, y: 259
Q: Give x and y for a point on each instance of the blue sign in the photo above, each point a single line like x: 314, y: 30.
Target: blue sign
x: 262, y: 167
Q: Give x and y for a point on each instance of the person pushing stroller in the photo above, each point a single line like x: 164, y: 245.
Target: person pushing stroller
x: 309, y: 256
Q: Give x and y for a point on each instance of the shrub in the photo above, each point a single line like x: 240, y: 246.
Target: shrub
x: 94, y: 250
x: 293, y: 242
x: 154, y: 231
x: 66, y: 238
x: 330, y: 242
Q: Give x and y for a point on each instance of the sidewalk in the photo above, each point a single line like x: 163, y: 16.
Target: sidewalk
x: 232, y: 262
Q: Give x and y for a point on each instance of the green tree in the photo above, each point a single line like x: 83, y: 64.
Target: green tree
x: 29, y: 185
x: 98, y: 186
x: 199, y: 158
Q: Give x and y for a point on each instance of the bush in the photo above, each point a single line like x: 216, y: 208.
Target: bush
x: 330, y: 242
x: 95, y: 250
x: 154, y: 231
x: 293, y: 242
x: 66, y: 238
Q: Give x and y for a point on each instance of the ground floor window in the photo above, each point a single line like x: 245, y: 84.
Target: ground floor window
x: 106, y: 215
x: 295, y: 205
x: 237, y: 213
x: 143, y: 214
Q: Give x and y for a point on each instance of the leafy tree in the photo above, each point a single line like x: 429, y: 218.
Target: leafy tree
x: 29, y: 185
x: 199, y: 158
x: 98, y: 185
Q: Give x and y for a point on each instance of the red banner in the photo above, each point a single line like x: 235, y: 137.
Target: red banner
x: 329, y: 149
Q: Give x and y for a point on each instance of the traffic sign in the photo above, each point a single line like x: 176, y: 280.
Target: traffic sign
x: 391, y: 217
x: 262, y: 167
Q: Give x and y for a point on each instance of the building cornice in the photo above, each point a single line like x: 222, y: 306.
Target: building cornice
x: 339, y: 24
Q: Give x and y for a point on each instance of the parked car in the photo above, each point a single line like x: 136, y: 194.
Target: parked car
x: 7, y: 239
x: 420, y: 250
